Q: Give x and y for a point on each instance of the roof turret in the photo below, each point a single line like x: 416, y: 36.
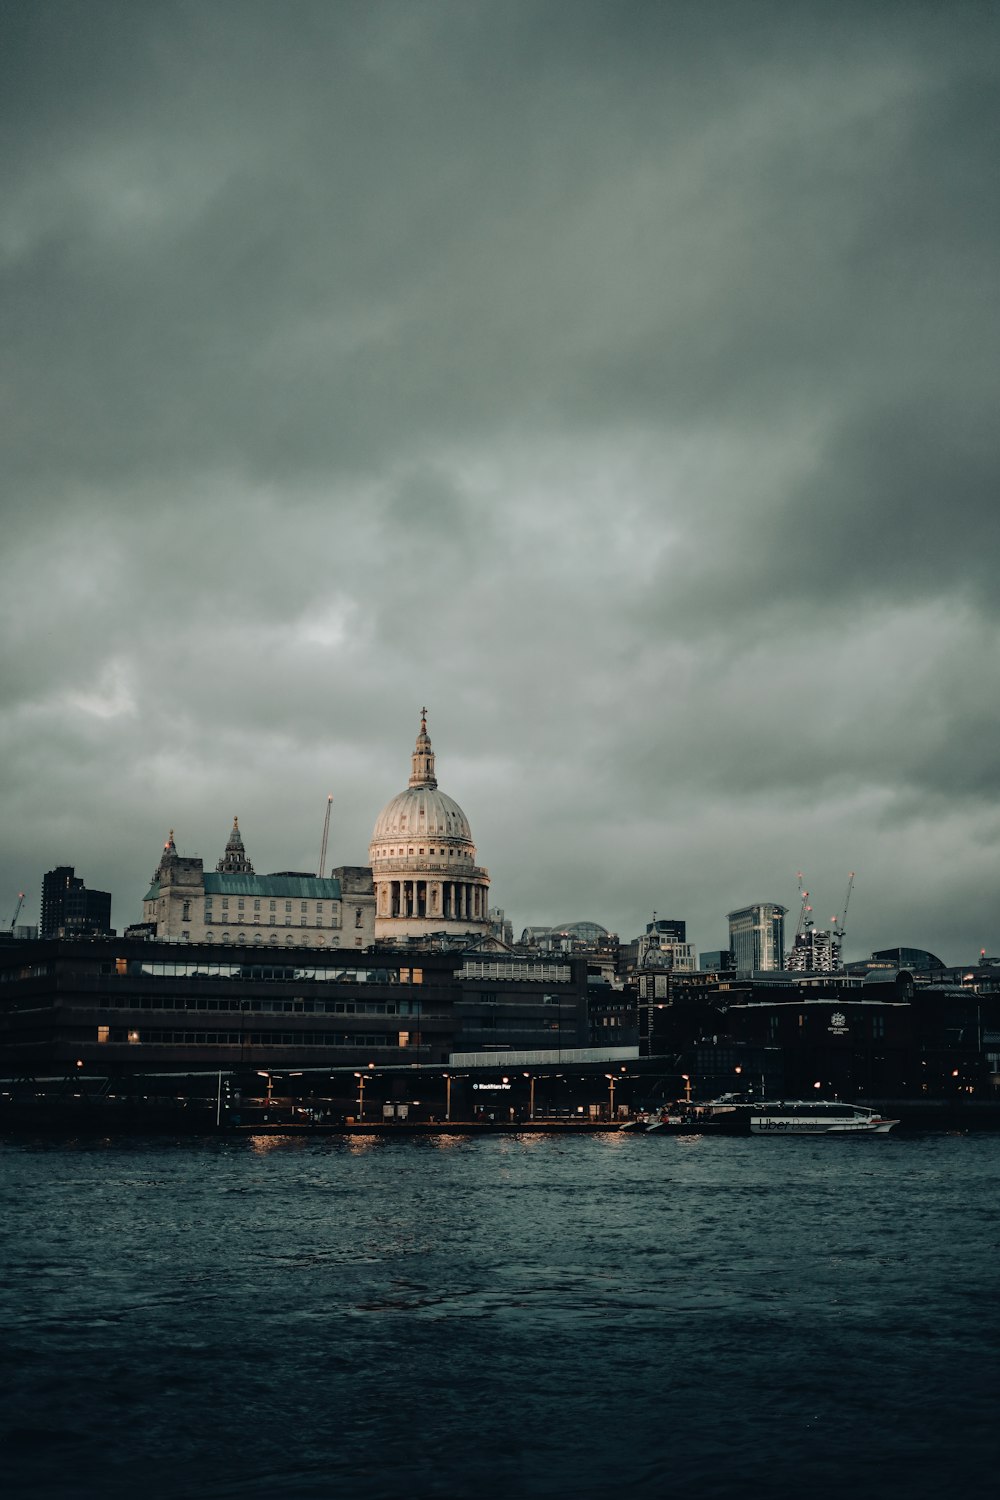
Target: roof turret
x: 234, y: 861
x: 169, y: 853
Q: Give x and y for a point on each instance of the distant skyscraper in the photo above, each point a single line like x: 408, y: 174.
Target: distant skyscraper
x: 69, y: 909
x: 757, y: 936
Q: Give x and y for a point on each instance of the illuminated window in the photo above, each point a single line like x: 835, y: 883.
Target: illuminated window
x: 121, y: 965
x: 404, y: 1038
x: 104, y: 1033
x: 133, y: 1037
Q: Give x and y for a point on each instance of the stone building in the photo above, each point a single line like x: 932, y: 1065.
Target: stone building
x: 234, y: 905
x: 423, y: 862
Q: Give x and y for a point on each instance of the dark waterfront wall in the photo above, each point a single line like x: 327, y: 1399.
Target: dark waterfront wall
x: 838, y: 1034
x: 120, y: 1013
x: 123, y: 1006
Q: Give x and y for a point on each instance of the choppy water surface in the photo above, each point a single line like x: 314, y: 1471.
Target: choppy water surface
x: 505, y: 1316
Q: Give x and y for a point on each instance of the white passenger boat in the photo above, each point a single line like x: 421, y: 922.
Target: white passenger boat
x: 728, y: 1116
x: 815, y: 1117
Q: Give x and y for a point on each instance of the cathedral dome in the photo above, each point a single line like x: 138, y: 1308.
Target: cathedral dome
x: 423, y: 861
x: 423, y: 812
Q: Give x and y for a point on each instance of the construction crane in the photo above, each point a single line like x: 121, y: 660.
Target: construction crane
x: 326, y: 835
x: 839, y: 924
x: 17, y: 910
x: 805, y: 920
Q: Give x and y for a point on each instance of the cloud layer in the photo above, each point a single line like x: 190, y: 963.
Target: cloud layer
x: 617, y: 379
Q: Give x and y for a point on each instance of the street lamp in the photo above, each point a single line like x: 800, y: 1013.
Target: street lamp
x: 362, y: 1080
x: 531, y: 1095
x: 687, y: 1087
x: 611, y: 1090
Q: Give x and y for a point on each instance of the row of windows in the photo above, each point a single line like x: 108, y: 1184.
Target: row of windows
x: 24, y: 971
x: 401, y: 853
x: 221, y: 918
x: 553, y: 973
x: 271, y: 905
x: 371, y: 1039
x: 261, y: 1007
x: 305, y: 941
x: 218, y: 969
x: 522, y: 1023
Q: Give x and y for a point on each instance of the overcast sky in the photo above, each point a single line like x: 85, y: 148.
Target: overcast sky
x: 618, y: 379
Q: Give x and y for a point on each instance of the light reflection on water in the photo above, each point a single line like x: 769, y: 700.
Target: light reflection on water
x: 521, y: 1314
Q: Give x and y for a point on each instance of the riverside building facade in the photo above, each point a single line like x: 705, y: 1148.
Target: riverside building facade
x: 122, y: 1006
x: 234, y: 905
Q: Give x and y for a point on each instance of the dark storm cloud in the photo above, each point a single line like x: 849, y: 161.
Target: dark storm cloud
x: 618, y: 378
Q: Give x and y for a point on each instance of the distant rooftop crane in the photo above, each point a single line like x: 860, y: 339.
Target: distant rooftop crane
x: 326, y: 835
x: 17, y: 910
x: 805, y: 919
x: 840, y: 925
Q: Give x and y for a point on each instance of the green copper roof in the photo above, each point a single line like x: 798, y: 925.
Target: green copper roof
x: 305, y: 887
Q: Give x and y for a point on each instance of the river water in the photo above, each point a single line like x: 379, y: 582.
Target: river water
x: 501, y: 1316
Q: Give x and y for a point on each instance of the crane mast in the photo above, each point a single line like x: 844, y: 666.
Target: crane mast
x: 17, y: 910
x: 326, y: 835
x: 839, y: 926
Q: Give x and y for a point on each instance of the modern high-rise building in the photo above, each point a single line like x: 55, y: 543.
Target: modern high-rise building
x: 814, y: 951
x: 69, y: 909
x: 757, y: 936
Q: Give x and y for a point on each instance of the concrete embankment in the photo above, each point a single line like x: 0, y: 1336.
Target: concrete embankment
x: 102, y: 1117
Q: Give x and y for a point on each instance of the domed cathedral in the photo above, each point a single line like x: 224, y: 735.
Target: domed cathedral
x: 423, y: 861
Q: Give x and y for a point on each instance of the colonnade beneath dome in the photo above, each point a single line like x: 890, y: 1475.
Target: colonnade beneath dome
x: 447, y: 900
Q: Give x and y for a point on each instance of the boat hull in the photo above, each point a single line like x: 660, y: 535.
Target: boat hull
x: 794, y: 1117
